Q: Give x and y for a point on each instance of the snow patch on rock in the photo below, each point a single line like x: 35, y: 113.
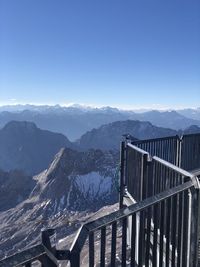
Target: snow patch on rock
x: 93, y: 184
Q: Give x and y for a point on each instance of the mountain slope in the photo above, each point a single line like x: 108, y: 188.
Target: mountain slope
x: 15, y: 187
x: 108, y: 136
x: 190, y: 113
x: 193, y: 129
x: 76, y: 183
x: 75, y: 180
x: 28, y: 148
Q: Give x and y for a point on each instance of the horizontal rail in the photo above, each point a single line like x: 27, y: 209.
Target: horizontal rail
x: 137, y: 207
x: 143, y: 214
x: 24, y: 257
x: 45, y: 253
x: 140, y: 150
x: 190, y: 135
x: 156, y: 139
x: 173, y: 167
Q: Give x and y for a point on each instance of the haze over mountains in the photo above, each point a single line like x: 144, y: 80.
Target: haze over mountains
x: 74, y: 121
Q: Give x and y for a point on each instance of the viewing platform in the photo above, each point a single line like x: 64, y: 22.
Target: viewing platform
x: 158, y: 221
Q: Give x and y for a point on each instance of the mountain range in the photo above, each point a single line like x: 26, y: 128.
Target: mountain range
x: 26, y: 147
x: 75, y: 120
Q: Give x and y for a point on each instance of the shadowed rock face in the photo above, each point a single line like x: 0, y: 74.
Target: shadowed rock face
x: 28, y: 148
x: 15, y: 186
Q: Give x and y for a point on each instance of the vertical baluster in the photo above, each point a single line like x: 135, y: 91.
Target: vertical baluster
x: 180, y: 230
x: 155, y: 234
x: 113, y: 244
x: 124, y: 241
x: 103, y: 246
x: 91, y: 249
x: 133, y: 240
x: 148, y: 237
x: 162, y: 220
x: 174, y: 229
x: 185, y: 229
x: 168, y: 231
x: 141, y: 239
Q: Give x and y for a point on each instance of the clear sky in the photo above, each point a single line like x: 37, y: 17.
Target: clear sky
x: 124, y: 53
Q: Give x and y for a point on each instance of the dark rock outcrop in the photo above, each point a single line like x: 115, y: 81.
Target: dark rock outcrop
x: 15, y: 186
x: 24, y: 146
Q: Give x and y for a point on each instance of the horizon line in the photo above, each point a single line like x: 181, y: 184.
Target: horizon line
x: 94, y: 106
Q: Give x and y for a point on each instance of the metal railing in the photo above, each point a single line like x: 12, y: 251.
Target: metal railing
x: 166, y: 148
x: 161, y: 229
x: 164, y: 232
x: 44, y: 254
x: 150, y: 166
x: 190, y: 152
x: 135, y: 173
x: 182, y: 151
x: 159, y: 225
x: 145, y: 176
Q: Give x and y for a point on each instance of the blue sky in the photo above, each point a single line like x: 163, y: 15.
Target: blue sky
x: 124, y: 53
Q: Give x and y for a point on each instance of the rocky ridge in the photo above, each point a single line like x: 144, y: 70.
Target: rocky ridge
x: 75, y: 183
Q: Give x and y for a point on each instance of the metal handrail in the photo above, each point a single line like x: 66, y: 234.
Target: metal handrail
x: 137, y: 207
x: 156, y: 139
x: 173, y: 167
x: 88, y: 229
x: 45, y: 253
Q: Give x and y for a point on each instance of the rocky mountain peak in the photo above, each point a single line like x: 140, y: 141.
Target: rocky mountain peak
x: 75, y: 179
x: 26, y: 147
x: 20, y: 126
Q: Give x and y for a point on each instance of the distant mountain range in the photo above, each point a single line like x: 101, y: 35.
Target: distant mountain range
x: 26, y: 147
x: 75, y: 120
x: 190, y: 113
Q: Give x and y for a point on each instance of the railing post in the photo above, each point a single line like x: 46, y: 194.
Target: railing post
x: 122, y: 173
x: 178, y: 151
x: 49, y: 260
x: 195, y: 227
x: 48, y: 239
x: 76, y: 248
x: 144, y: 177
